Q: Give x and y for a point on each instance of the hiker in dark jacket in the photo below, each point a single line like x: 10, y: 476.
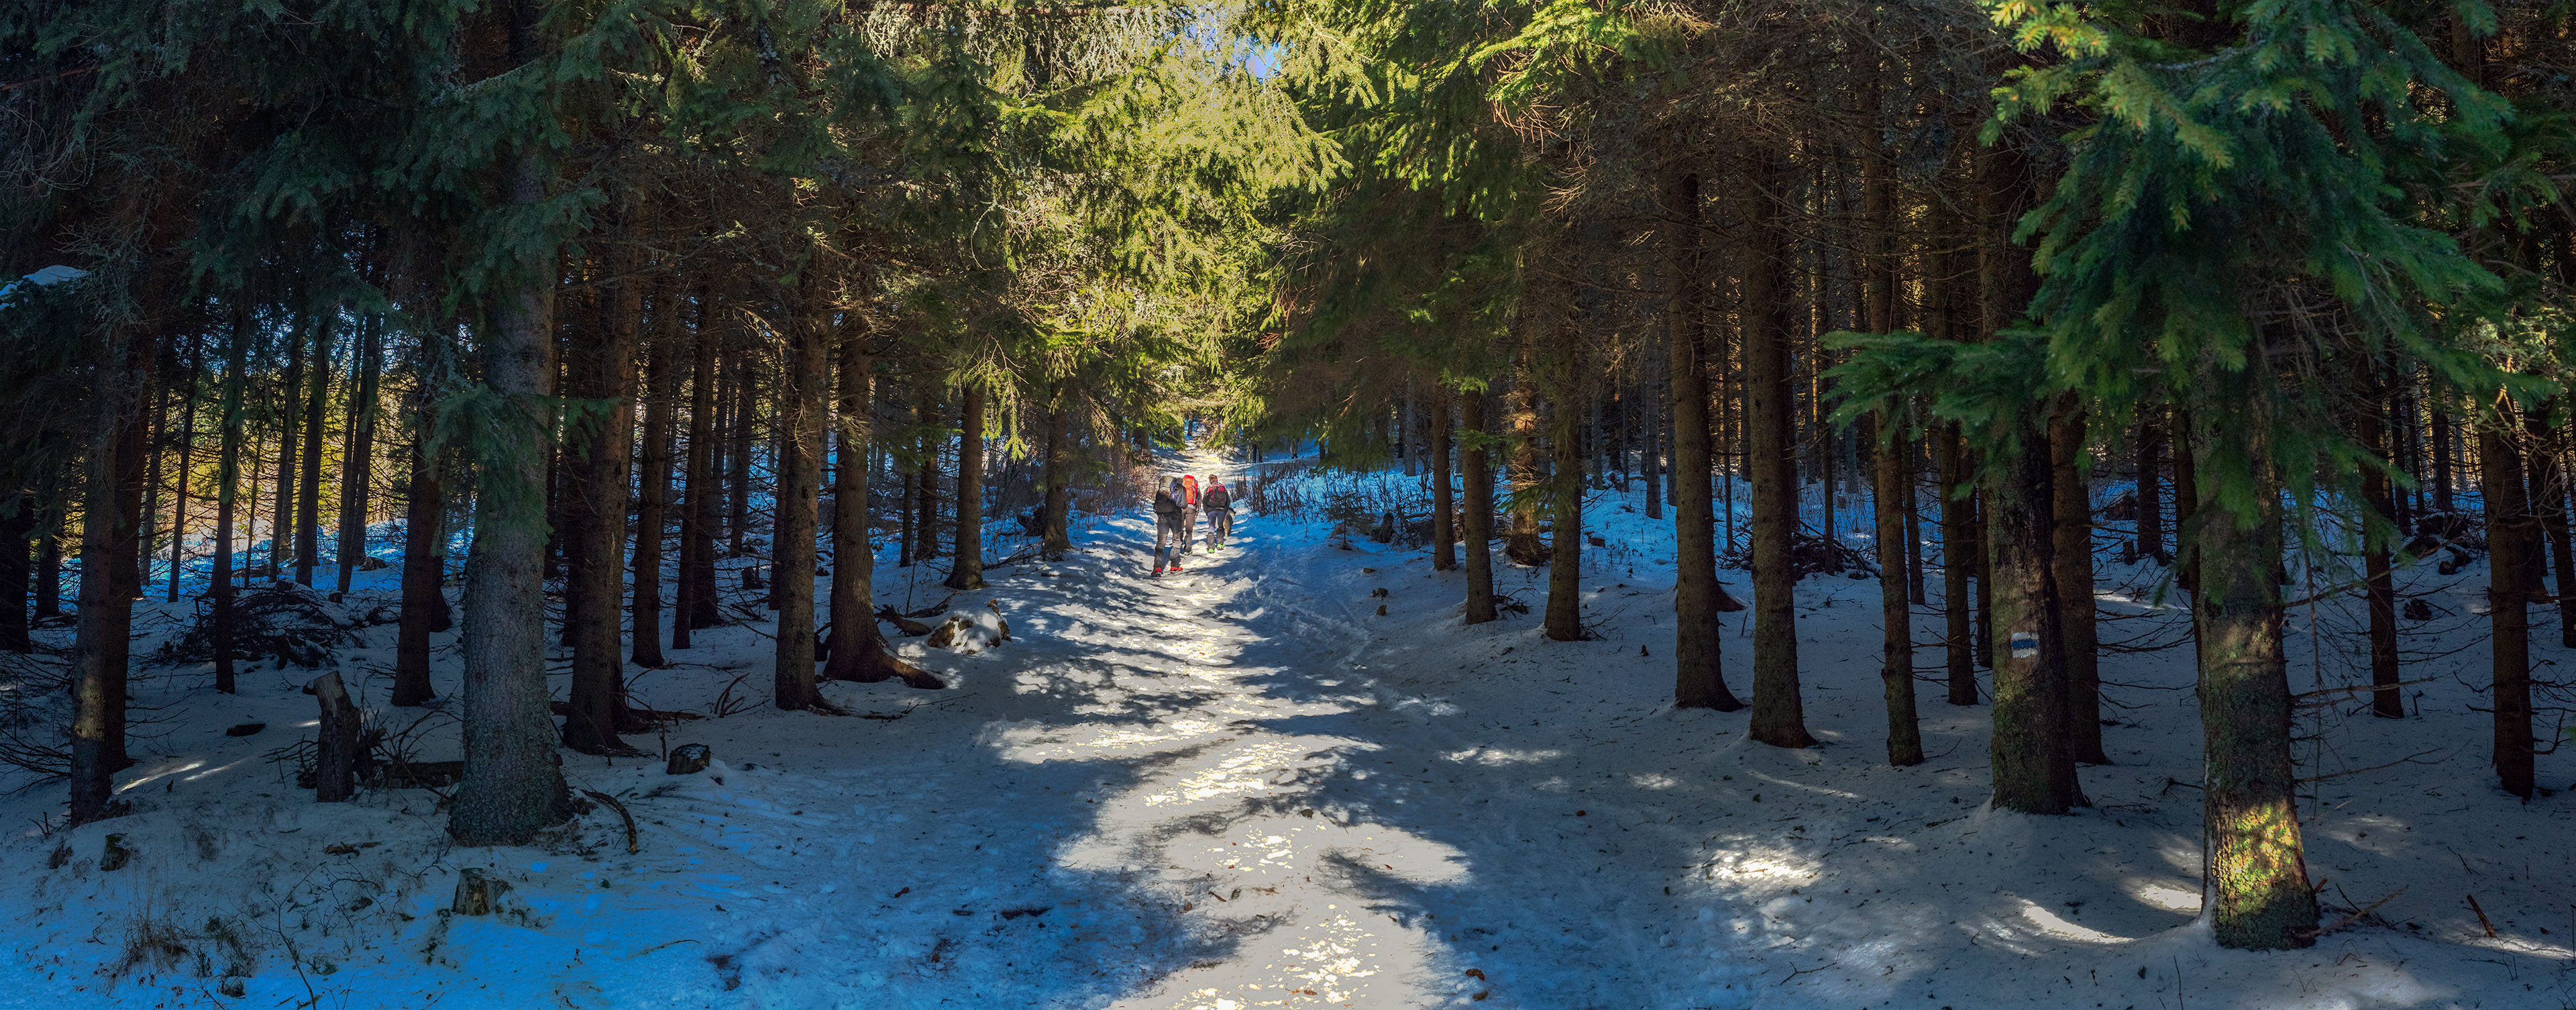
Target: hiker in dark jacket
x: 1169, y: 534
x: 1219, y: 504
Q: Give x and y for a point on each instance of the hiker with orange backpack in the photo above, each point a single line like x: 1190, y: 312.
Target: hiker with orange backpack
x: 1189, y: 510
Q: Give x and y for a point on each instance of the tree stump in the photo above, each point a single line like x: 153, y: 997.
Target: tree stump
x: 476, y: 894
x: 688, y: 759
x: 335, y: 754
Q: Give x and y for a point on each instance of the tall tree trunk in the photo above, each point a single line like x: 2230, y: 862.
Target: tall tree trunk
x: 358, y: 460
x: 1520, y: 405
x: 800, y: 426
x: 281, y: 531
x: 1055, y: 520
x: 738, y: 443
x: 2256, y: 878
x: 1444, y: 504
x: 1564, y: 619
x: 1895, y: 610
x: 1476, y: 513
x: 2150, y: 541
x: 513, y: 783
x: 179, y: 476
x: 2034, y: 771
x: 17, y: 527
x: 858, y: 649
x: 49, y: 553
x: 966, y: 571
x: 2073, y: 562
x: 1779, y: 716
x: 2380, y: 584
x: 308, y: 495
x: 110, y: 529
x: 1699, y: 668
x: 2549, y: 500
x: 424, y: 568
x: 2186, y: 478
x: 696, y: 605
x: 925, y: 413
x: 1658, y: 365
x: 653, y: 495
x: 106, y: 614
x: 1958, y: 566
x: 2511, y: 539
x: 597, y: 446
x: 2444, y: 441
x: 219, y: 576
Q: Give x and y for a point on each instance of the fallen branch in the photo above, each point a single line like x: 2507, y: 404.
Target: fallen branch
x: 2356, y: 915
x: 595, y: 794
x: 2482, y: 917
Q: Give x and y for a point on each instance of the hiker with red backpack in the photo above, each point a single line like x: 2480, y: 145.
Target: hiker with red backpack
x: 1220, y: 512
x: 1171, y: 535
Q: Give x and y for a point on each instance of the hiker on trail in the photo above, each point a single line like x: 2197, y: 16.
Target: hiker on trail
x: 1168, y: 530
x: 1220, y: 512
x: 1189, y: 510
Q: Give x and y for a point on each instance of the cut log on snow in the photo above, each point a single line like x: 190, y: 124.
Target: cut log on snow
x: 476, y: 894
x: 688, y: 759
x: 335, y: 754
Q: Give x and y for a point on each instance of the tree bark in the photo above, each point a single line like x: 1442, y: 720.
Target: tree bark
x: 219, y: 576
x: 2256, y: 879
x: 102, y: 641
x: 2072, y: 557
x: 2034, y: 769
x: 653, y: 492
x: 17, y: 527
x: 1055, y: 519
x: 695, y: 605
x: 2512, y: 539
x: 2549, y: 500
x: 800, y: 424
x: 308, y: 494
x: 1779, y: 716
x: 1895, y: 609
x: 513, y: 783
x: 336, y: 748
x: 1958, y: 567
x: 281, y: 530
x: 2380, y: 583
x: 966, y: 570
x: 1476, y: 513
x: 858, y: 649
x: 424, y: 570
x: 358, y: 460
x: 1564, y: 619
x: 599, y: 440
x: 2150, y: 541
x: 1444, y: 499
x: 1699, y: 668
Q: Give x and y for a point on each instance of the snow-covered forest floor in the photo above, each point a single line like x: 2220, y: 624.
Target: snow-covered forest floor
x: 1243, y: 787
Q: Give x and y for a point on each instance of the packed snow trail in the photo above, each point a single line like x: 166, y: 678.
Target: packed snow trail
x: 1247, y: 785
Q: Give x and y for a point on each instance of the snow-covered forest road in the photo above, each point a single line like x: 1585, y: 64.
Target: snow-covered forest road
x: 1246, y: 785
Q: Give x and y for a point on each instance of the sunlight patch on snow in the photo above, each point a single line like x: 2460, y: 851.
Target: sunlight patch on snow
x: 2055, y: 925
x: 1496, y: 756
x: 2170, y: 897
x: 1248, y: 770
x: 159, y: 774
x: 1654, y: 780
x: 1093, y: 740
